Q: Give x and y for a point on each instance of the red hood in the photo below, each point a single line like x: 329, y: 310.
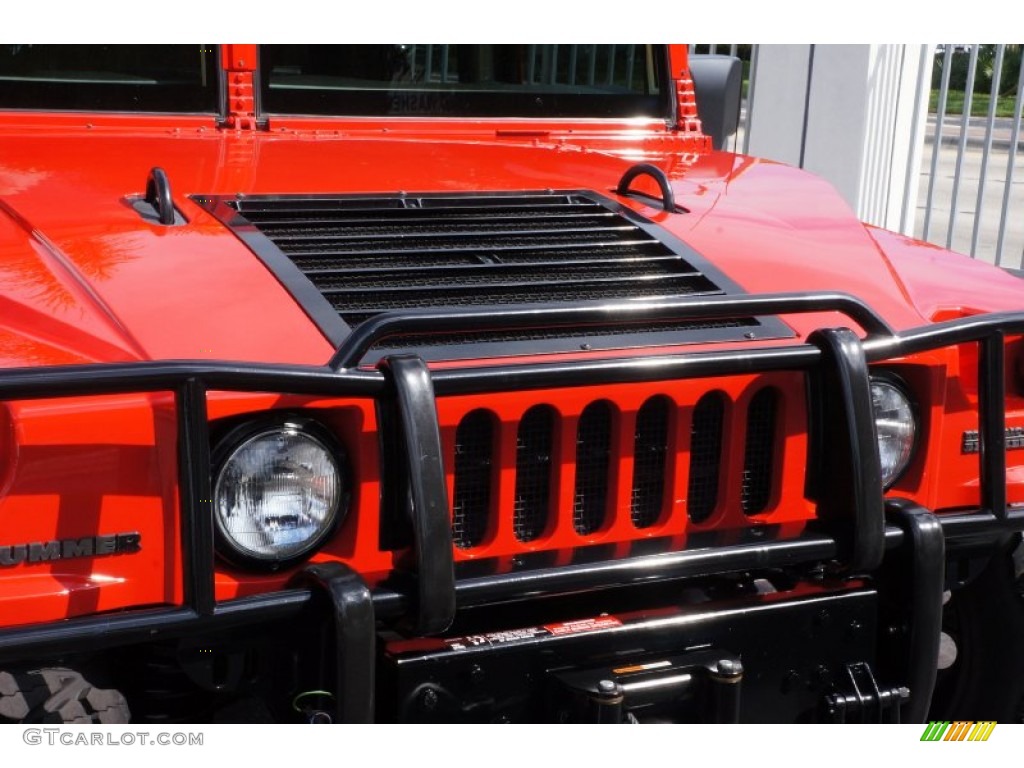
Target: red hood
x: 85, y: 278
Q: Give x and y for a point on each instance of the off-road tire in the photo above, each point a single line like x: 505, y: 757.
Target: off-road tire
x: 58, y: 695
x: 986, y: 621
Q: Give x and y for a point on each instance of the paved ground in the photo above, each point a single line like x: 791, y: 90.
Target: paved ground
x: 1002, y: 128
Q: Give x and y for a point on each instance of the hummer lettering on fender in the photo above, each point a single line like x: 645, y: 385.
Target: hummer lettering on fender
x: 69, y: 549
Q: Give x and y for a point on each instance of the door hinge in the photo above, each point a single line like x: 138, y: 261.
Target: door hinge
x: 687, y: 119
x: 239, y: 64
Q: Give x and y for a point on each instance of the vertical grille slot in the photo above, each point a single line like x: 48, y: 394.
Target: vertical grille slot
x: 705, y: 456
x: 474, y: 465
x: 650, y: 451
x: 759, y: 455
x: 593, y: 452
x: 534, y: 444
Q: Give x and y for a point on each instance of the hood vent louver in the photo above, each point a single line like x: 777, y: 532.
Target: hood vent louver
x: 348, y: 258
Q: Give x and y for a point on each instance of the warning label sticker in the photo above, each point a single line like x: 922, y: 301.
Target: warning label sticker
x: 495, y: 638
x: 492, y: 639
x: 583, y: 625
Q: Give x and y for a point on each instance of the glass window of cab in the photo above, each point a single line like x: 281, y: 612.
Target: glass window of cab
x: 110, y: 78
x: 553, y: 81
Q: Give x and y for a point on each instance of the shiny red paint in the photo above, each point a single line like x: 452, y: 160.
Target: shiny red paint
x: 84, y: 279
x: 87, y: 467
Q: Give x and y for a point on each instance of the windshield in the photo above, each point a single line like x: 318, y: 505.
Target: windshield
x: 606, y: 81
x: 123, y: 78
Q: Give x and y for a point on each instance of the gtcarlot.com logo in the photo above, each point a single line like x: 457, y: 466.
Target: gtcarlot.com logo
x: 66, y: 737
x: 944, y: 730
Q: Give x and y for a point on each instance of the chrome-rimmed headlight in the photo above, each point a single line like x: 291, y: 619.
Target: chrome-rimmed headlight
x: 279, y: 490
x: 895, y: 426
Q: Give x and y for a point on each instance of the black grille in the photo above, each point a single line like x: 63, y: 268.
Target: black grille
x: 759, y: 455
x: 474, y: 463
x: 372, y: 254
x: 705, y: 456
x: 599, y: 451
x: 606, y: 332
x: 593, y: 452
x: 650, y: 450
x: 534, y: 444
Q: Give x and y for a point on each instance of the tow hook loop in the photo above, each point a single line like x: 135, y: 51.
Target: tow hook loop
x: 158, y: 195
x: 668, y: 198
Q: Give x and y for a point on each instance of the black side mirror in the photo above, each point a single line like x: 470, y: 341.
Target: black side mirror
x: 718, y: 81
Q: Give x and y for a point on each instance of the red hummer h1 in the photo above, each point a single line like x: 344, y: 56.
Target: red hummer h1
x: 472, y: 383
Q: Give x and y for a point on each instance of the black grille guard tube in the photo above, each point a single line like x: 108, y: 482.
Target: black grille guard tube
x: 92, y: 633
x: 536, y: 316
x: 191, y: 380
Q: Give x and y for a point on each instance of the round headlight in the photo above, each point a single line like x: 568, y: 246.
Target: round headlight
x: 895, y: 427
x: 277, y: 494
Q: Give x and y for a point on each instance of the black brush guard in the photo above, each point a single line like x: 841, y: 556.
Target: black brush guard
x: 854, y: 534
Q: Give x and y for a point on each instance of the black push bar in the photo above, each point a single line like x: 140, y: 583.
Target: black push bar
x: 856, y: 534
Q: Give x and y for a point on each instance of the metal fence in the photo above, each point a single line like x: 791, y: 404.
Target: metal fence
x: 971, y: 200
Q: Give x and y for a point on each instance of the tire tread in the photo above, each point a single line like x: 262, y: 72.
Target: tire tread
x: 58, y: 695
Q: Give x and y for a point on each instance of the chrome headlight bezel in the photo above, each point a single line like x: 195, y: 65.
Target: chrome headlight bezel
x: 895, y: 384
x: 230, y: 446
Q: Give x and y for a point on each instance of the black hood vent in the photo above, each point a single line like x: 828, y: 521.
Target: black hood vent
x: 348, y: 258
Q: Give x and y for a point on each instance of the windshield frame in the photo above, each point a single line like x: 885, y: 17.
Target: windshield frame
x: 471, y: 104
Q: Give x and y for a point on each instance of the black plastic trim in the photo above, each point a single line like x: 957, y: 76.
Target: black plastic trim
x: 992, y: 422
x: 926, y: 560
x: 158, y: 194
x: 355, y: 639
x: 432, y: 533
x: 849, y: 487
x: 668, y: 197
x: 196, y: 495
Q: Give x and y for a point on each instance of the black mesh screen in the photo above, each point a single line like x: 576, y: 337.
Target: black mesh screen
x: 348, y: 258
x: 368, y: 255
x: 650, y: 450
x: 593, y: 452
x: 474, y: 463
x: 534, y: 444
x: 705, y: 456
x: 758, y: 458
